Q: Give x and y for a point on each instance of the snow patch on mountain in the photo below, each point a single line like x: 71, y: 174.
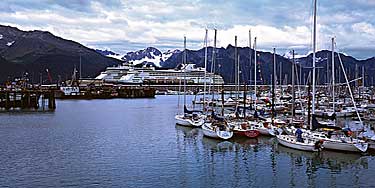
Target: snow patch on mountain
x: 169, y: 53
x: 116, y: 56
x: 289, y: 55
x: 1, y: 36
x: 109, y: 53
x: 146, y: 60
x: 10, y: 43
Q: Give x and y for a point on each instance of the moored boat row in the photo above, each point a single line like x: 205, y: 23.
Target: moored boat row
x: 273, y: 113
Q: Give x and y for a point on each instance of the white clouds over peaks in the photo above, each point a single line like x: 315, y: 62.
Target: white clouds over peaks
x: 364, y: 27
x: 124, y: 25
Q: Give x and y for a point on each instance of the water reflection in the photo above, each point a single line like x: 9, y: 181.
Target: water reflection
x: 261, y: 161
x: 135, y: 143
x: 334, y: 161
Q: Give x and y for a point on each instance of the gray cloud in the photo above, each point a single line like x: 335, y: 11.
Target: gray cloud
x: 124, y: 25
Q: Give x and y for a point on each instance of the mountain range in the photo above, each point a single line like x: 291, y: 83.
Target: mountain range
x: 225, y: 64
x: 149, y: 56
x: 33, y: 52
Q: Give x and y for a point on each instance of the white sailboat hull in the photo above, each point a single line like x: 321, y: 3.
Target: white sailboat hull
x: 180, y: 120
x: 291, y: 142
x: 208, y: 131
x: 371, y: 145
x: 224, y: 134
x: 345, y: 146
x: 266, y: 131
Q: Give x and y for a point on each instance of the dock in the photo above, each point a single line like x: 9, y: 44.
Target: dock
x: 34, y: 99
x: 105, y: 92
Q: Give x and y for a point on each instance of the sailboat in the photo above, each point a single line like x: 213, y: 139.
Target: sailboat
x: 215, y: 126
x: 369, y: 136
x: 240, y: 125
x: 305, y: 142
x: 340, y: 140
x: 291, y: 141
x: 266, y: 126
x: 191, y: 118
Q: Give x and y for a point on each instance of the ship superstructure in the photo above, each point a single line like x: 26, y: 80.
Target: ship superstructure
x: 130, y: 74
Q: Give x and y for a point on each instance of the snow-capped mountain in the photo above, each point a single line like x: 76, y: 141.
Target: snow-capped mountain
x: 109, y: 53
x: 169, y: 53
x: 149, y: 56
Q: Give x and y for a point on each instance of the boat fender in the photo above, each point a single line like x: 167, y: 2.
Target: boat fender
x: 265, y: 124
x: 319, y: 144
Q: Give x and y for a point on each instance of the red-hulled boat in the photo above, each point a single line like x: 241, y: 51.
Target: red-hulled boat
x: 244, y: 128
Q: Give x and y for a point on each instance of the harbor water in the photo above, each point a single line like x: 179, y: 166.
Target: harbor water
x: 135, y: 143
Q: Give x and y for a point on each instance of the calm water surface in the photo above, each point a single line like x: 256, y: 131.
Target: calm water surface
x: 135, y: 143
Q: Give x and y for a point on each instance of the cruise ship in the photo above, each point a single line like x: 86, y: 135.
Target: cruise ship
x: 130, y: 74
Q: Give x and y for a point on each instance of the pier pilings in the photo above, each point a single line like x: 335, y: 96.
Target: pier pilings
x: 27, y: 99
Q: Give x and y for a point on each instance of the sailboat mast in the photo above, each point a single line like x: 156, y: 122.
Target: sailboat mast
x: 238, y: 72
x: 280, y: 75
x: 333, y: 74
x: 80, y: 65
x: 250, y: 58
x: 184, y: 65
x: 205, y: 70
x: 236, y: 66
x: 293, y: 82
x: 273, y: 86
x: 255, y: 72
x: 314, y: 60
x: 238, y: 76
x: 363, y: 77
x: 213, y: 66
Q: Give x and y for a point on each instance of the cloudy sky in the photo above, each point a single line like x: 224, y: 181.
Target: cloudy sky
x: 127, y: 25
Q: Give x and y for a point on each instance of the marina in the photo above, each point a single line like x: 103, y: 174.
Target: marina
x: 187, y: 94
x: 141, y: 147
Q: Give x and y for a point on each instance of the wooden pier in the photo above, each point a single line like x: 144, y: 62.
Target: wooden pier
x: 27, y: 99
x: 105, y: 92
